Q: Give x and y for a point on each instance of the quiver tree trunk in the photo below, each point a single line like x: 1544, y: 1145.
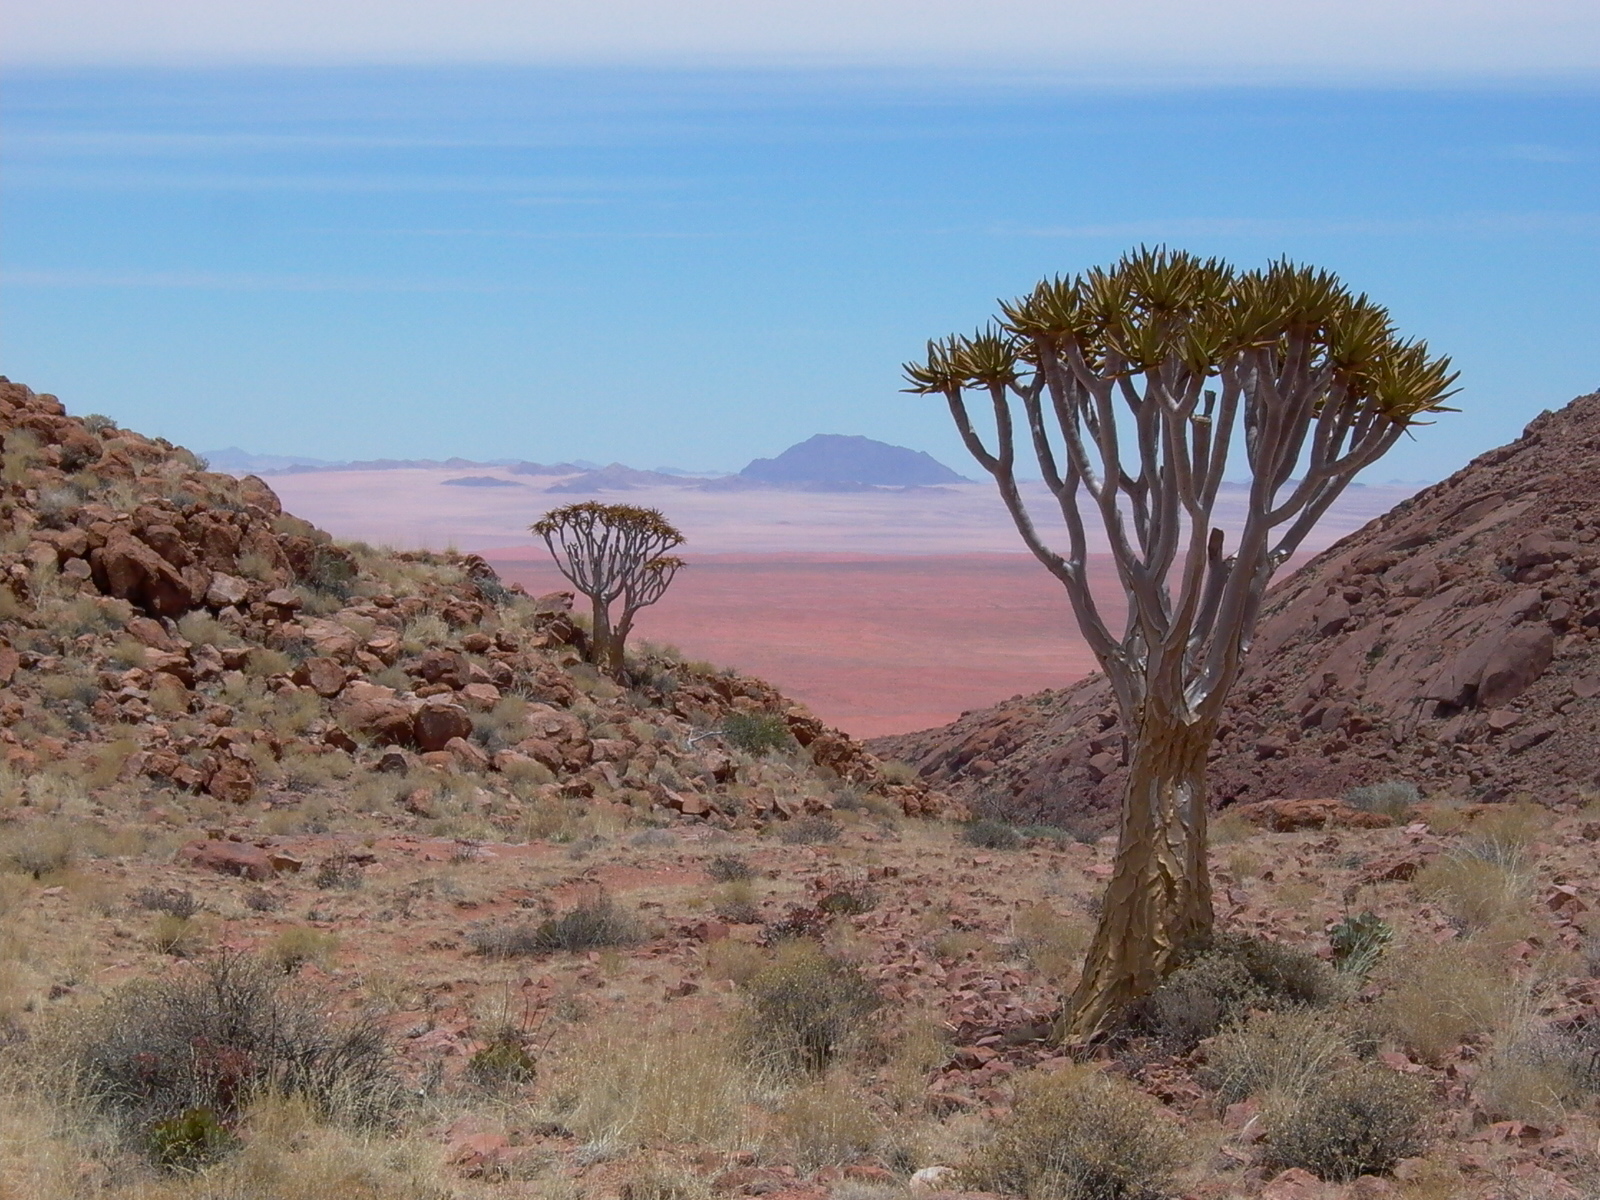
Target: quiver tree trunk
x: 601, y: 636
x: 1158, y: 903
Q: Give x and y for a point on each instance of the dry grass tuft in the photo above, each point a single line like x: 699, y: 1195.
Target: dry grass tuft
x: 805, y: 1007
x: 1358, y: 1121
x: 826, y: 1122
x: 628, y: 1087
x: 1286, y: 1053
x: 1080, y: 1135
x: 1439, y: 996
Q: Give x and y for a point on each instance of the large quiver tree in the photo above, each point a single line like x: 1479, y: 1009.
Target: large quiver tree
x: 612, y: 552
x: 1132, y: 387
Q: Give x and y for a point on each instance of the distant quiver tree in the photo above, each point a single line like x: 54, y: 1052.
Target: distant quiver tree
x: 1132, y: 386
x: 612, y: 552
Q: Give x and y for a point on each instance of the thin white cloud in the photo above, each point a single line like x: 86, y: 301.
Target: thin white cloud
x: 530, y: 190
x: 1159, y: 40
x: 1157, y: 229
x: 223, y: 281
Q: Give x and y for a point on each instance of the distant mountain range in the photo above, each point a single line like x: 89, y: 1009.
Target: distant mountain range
x: 828, y: 462
x: 838, y: 459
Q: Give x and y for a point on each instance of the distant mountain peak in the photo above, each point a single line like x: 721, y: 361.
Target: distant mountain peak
x: 844, y: 459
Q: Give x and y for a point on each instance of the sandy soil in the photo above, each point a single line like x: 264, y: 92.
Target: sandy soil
x: 874, y: 645
x: 884, y: 611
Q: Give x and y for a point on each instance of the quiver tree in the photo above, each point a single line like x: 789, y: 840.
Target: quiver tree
x: 1131, y: 387
x: 612, y: 552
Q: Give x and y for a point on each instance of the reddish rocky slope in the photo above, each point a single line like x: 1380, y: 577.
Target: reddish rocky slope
x: 1454, y: 642
x: 163, y: 627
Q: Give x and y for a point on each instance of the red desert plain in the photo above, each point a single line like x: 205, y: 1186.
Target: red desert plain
x: 884, y: 611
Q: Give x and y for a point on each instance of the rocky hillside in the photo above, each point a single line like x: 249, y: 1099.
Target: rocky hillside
x: 170, y: 627
x: 1454, y: 643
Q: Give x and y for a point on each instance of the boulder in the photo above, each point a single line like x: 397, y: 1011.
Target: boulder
x: 376, y: 712
x: 439, y: 720
x: 129, y: 570
x: 233, y: 781
x: 442, y: 666
x: 322, y: 675
x: 1515, y: 664
x: 227, y: 590
x: 229, y: 858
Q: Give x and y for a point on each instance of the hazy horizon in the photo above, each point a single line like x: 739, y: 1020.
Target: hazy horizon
x: 553, y: 231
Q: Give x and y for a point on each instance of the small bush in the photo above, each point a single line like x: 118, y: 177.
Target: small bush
x: 1234, y: 975
x: 805, y: 1006
x: 1052, y: 943
x: 737, y: 962
x: 1394, y: 799
x: 594, y: 923
x: 827, y: 1123
x: 294, y: 947
x: 36, y: 850
x: 989, y: 834
x: 1358, y: 942
x: 341, y: 871
x: 1080, y: 1135
x: 177, y: 936
x: 737, y: 902
x: 814, y: 830
x: 1541, y: 1075
x: 218, y: 1038
x: 1358, y: 1121
x: 730, y: 868
x: 1475, y: 892
x: 849, y: 898
x: 1286, y: 1052
x: 1502, y: 835
x: 756, y: 733
x: 503, y: 1062
x: 175, y: 902
x: 190, y: 1141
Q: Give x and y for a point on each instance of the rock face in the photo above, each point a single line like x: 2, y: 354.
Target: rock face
x: 834, y: 458
x: 1454, y: 643
x: 174, y: 627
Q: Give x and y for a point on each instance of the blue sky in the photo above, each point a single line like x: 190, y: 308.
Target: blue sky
x: 695, y: 263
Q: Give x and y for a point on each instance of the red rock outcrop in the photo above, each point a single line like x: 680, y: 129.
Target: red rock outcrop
x: 1454, y: 643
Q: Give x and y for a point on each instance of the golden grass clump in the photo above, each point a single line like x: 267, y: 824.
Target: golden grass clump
x: 1054, y: 944
x: 826, y: 1122
x: 1284, y: 1053
x: 1079, y: 1134
x: 628, y: 1086
x: 1440, y: 996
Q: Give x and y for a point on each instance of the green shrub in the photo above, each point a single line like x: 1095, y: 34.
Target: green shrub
x: 1358, y: 1121
x: 1358, y: 942
x: 189, y: 1141
x: 730, y: 868
x: 594, y: 923
x: 217, y: 1038
x: 815, y: 830
x: 1078, y: 1134
x: 990, y: 834
x: 1394, y: 799
x: 805, y: 1006
x: 503, y: 1062
x: 756, y: 733
x: 1233, y: 975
